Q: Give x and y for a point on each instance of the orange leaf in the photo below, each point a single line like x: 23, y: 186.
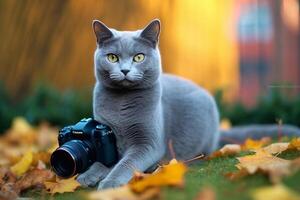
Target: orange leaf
x: 124, y: 192
x: 62, y: 185
x: 171, y: 174
x: 251, y: 144
x: 295, y: 144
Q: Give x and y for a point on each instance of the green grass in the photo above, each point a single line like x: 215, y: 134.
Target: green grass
x: 206, y: 174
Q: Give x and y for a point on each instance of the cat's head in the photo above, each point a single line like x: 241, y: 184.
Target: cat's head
x: 127, y: 59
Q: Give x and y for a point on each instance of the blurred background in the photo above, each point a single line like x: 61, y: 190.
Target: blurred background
x: 245, y: 52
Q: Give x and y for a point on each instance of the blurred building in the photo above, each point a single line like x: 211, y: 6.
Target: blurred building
x: 268, y: 35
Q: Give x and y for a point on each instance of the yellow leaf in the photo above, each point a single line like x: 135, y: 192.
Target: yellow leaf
x: 23, y: 165
x: 276, y: 192
x: 171, y: 174
x: 21, y: 132
x: 294, y: 144
x: 20, y: 125
x: 124, y: 192
x: 275, y: 167
x: 251, y: 144
x: 61, y: 185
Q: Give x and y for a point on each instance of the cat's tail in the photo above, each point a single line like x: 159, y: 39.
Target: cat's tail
x: 239, y: 134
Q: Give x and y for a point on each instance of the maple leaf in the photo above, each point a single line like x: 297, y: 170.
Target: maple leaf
x: 23, y: 165
x: 294, y: 144
x: 251, y: 144
x: 171, y: 174
x: 145, y: 186
x: 279, y: 147
x: 276, y: 192
x: 124, y: 192
x: 62, y: 185
x: 263, y: 161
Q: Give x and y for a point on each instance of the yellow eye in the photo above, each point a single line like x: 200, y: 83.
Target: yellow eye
x: 112, y: 58
x: 139, y: 57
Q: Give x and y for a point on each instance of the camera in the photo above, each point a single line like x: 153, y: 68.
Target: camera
x: 81, y: 145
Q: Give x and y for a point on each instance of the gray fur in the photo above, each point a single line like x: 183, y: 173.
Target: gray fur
x: 146, y: 109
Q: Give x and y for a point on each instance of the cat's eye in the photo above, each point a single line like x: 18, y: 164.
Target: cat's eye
x: 112, y: 58
x: 139, y: 57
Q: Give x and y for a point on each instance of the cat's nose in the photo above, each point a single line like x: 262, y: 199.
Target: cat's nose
x: 125, y: 71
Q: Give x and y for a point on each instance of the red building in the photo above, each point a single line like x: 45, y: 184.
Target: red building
x: 269, y: 48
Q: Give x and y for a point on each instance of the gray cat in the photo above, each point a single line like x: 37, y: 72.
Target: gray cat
x: 146, y: 109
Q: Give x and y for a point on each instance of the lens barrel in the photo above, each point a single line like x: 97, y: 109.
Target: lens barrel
x: 72, y: 157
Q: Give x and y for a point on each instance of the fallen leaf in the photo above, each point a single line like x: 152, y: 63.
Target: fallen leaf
x: 46, y: 136
x: 41, y: 165
x: 23, y: 165
x: 276, y: 192
x: 206, y: 193
x: 228, y: 149
x: 62, y: 185
x: 295, y: 144
x: 41, y: 156
x: 171, y: 174
x: 276, y: 148
x: 33, y: 178
x: 8, y: 191
x: 251, y: 144
x: 21, y: 132
x: 273, y: 166
x: 6, y: 176
x: 124, y: 193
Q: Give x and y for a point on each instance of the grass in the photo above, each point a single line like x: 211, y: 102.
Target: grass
x: 206, y: 174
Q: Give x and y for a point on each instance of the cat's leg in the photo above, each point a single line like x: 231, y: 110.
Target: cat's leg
x: 93, y: 175
x: 138, y: 158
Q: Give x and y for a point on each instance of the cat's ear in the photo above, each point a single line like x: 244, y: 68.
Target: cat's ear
x: 102, y: 32
x: 151, y: 32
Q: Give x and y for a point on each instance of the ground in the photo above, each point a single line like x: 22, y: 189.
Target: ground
x: 207, y: 174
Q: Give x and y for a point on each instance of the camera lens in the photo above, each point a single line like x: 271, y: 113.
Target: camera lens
x: 71, y: 158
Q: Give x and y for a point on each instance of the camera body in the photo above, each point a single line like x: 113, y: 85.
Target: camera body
x: 81, y: 145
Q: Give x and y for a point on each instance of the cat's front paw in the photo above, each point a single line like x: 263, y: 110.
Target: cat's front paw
x: 93, y: 175
x: 87, y: 180
x: 105, y: 184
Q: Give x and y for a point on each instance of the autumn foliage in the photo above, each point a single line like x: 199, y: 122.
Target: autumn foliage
x: 25, y: 153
